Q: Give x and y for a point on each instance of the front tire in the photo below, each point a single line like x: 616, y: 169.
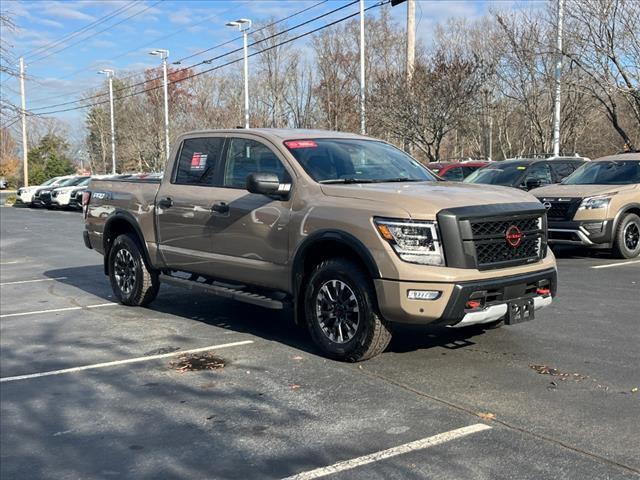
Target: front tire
x: 341, y: 312
x: 132, y: 281
x: 626, y: 243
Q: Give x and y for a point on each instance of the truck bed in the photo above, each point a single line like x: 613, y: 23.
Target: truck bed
x: 132, y: 197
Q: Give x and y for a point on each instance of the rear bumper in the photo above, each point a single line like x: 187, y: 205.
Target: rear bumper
x: 450, y: 307
x: 589, y: 233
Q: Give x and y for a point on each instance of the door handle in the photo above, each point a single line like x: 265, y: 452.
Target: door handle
x: 220, y: 207
x: 165, y: 202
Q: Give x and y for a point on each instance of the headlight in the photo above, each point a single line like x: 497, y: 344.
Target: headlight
x: 414, y: 242
x: 594, y: 202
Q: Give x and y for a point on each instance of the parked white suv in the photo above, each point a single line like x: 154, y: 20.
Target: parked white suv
x: 62, y: 197
x: 25, y: 194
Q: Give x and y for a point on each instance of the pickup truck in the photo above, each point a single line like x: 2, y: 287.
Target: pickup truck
x: 349, y: 233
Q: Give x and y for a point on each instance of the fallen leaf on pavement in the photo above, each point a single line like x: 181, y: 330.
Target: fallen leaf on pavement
x: 487, y: 416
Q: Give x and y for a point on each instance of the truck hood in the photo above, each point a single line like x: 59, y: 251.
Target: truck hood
x: 422, y: 199
x: 579, y: 191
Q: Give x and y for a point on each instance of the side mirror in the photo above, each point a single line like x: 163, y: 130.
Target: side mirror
x: 533, y: 183
x: 264, y: 183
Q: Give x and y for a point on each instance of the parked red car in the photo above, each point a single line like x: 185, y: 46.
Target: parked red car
x: 455, y: 171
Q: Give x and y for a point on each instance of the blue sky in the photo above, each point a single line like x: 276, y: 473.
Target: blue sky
x: 182, y: 26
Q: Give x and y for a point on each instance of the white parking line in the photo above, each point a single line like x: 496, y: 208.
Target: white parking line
x: 123, y: 362
x: 54, y: 310
x: 619, y: 264
x: 34, y: 281
x: 391, y: 452
x: 13, y: 262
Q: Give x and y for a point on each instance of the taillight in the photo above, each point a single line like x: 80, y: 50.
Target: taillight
x: 543, y: 291
x: 86, y: 197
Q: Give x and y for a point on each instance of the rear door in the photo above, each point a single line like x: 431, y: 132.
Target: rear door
x: 183, y: 204
x: 250, y: 231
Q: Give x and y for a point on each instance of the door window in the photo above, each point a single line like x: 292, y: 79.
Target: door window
x: 246, y: 156
x: 454, y: 174
x: 540, y: 172
x: 561, y: 170
x: 198, y: 160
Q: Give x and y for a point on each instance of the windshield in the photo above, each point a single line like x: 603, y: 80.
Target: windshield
x: 69, y: 182
x: 356, y: 161
x: 497, y: 174
x: 50, y: 181
x: 605, y: 173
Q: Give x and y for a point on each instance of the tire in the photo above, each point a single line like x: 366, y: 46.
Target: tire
x: 626, y: 242
x: 132, y: 281
x: 339, y: 285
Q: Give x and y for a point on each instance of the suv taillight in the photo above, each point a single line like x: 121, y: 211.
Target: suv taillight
x: 86, y: 197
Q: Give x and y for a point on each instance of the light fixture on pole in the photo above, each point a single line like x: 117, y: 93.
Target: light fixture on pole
x: 244, y: 24
x: 109, y: 73
x: 164, y: 54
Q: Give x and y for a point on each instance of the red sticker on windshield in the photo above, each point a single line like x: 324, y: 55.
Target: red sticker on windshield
x: 301, y: 144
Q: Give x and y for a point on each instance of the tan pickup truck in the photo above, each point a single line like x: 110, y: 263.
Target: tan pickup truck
x: 350, y: 233
x: 597, y: 206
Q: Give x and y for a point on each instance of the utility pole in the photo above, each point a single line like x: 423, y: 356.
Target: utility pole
x: 109, y: 73
x: 244, y: 24
x: 23, y: 98
x: 411, y: 38
x: 556, y: 112
x: 164, y: 54
x: 362, y: 71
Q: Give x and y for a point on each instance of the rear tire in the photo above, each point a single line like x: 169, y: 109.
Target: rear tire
x: 132, y: 281
x: 341, y: 312
x: 626, y: 242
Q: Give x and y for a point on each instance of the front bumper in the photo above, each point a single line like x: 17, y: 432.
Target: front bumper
x: 589, y: 233
x: 450, y: 308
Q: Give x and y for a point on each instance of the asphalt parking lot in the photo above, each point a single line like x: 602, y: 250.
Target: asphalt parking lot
x: 552, y: 398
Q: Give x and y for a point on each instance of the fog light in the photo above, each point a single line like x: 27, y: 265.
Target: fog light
x: 423, y: 294
x: 473, y: 304
x: 543, y: 291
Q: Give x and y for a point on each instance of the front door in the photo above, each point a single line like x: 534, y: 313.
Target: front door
x: 250, y: 231
x: 184, y: 216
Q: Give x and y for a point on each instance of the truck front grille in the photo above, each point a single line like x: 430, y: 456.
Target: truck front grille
x: 494, y: 249
x: 561, y: 209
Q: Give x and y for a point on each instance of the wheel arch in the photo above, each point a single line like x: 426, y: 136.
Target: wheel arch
x: 322, y: 245
x: 122, y: 222
x: 629, y: 208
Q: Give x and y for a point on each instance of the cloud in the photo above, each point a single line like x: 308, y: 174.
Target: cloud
x: 48, y: 22
x: 181, y: 17
x: 66, y: 12
x: 103, y: 44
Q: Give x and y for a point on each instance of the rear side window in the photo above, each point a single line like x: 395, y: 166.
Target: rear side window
x: 247, y: 156
x: 198, y: 160
x: 466, y: 171
x: 561, y: 170
x: 454, y: 174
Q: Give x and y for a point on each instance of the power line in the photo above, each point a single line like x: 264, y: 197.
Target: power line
x: 70, y: 35
x: 209, y: 60
x: 40, y: 58
x: 217, y: 67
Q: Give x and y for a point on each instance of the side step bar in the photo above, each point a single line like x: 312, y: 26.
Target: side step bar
x: 226, y: 292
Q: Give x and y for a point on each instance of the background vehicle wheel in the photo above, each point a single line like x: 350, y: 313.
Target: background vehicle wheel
x: 132, y: 281
x: 626, y: 243
x: 340, y: 310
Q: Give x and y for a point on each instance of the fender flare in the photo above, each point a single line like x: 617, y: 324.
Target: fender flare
x: 335, y: 235
x: 123, y: 216
x: 619, y: 215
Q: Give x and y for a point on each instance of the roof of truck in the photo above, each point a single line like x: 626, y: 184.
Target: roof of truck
x: 620, y: 156
x: 281, y: 133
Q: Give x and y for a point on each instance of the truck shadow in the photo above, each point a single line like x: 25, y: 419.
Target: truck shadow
x: 272, y: 325
x: 568, y: 251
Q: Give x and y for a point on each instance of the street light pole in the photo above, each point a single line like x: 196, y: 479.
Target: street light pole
x: 164, y: 54
x: 109, y: 73
x: 556, y: 112
x: 362, y: 71
x: 23, y: 113
x: 244, y: 24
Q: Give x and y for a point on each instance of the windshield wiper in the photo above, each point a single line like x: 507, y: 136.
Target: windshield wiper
x: 347, y: 180
x: 401, y: 179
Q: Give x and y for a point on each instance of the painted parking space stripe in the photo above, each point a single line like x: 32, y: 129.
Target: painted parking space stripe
x: 391, y: 452
x: 54, y: 310
x: 124, y: 362
x: 33, y: 281
x: 619, y: 264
